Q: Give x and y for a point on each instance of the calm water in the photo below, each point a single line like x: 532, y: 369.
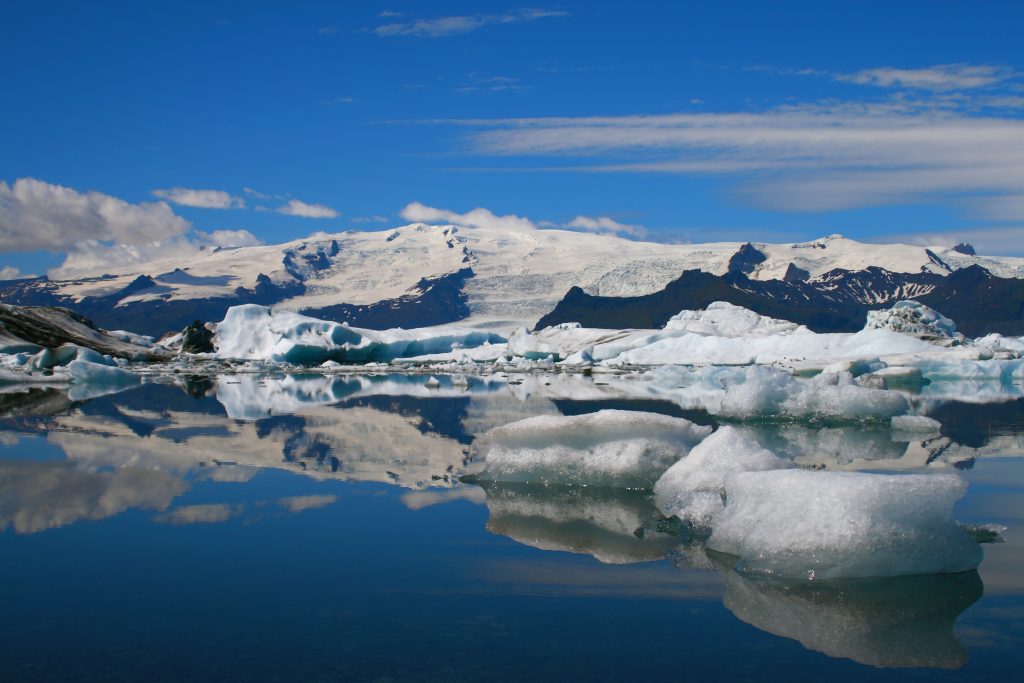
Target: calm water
x: 281, y: 529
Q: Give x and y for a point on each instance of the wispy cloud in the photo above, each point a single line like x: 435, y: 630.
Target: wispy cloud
x: 485, y: 218
x: 942, y: 77
x: 812, y: 157
x: 303, y: 209
x: 370, y: 219
x: 604, y: 225
x: 477, y: 218
x: 439, y: 27
x: 202, y: 199
x: 327, y: 30
x: 481, y: 83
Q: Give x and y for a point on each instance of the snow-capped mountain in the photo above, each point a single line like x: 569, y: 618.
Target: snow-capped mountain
x: 419, y: 275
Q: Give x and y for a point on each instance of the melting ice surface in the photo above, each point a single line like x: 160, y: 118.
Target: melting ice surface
x: 388, y: 526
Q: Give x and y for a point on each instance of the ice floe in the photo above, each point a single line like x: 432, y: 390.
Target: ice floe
x: 820, y: 525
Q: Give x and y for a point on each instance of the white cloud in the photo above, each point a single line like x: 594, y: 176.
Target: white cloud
x: 370, y: 219
x: 93, y: 257
x: 299, y: 208
x: 815, y: 157
x: 453, y: 25
x: 327, y: 30
x: 38, y: 215
x: 485, y: 218
x: 604, y: 225
x: 201, y: 199
x: 13, y: 273
x: 477, y: 218
x: 942, y: 77
x: 1008, y: 207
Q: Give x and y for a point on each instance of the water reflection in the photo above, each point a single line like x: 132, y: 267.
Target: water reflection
x: 904, y: 621
x: 145, y: 447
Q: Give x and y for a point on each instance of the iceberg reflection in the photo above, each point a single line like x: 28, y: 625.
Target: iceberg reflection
x: 904, y: 621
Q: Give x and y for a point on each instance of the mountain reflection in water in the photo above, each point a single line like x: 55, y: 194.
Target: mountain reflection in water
x: 68, y: 461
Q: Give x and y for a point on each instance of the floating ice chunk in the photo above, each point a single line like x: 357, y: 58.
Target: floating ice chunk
x: 803, y: 524
x: 692, y: 489
x: 770, y: 393
x: 904, y: 621
x: 912, y: 317
x: 86, y: 371
x: 998, y: 341
x: 722, y: 319
x: 251, y: 332
x: 915, y: 423
x: 611, y: 448
x: 1006, y: 371
x: 432, y: 383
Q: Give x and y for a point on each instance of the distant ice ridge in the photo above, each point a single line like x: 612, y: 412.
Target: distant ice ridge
x: 252, y: 332
x: 725, y: 334
x: 609, y: 448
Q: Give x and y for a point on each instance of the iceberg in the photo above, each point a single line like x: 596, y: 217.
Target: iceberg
x: 771, y: 393
x: 609, y: 448
x: 914, y: 318
x: 693, y: 488
x: 252, y: 332
x: 823, y: 525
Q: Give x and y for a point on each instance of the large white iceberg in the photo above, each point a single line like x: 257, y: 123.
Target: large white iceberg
x: 252, y: 332
x: 610, y: 448
x: 820, y: 525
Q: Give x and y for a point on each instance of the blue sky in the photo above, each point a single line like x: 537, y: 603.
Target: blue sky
x: 680, y: 121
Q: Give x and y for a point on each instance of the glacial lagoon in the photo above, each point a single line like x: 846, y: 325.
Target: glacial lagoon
x: 316, y: 527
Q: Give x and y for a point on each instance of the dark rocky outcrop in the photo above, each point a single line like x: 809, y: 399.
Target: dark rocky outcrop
x: 838, y: 301
x: 196, y: 338
x: 746, y: 259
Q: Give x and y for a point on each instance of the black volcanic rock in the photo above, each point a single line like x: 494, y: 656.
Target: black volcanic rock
x: 837, y: 301
x: 979, y: 303
x: 137, y: 285
x: 433, y: 301
x: 196, y: 338
x: 51, y: 327
x: 694, y: 290
x: 746, y: 259
x: 964, y: 248
x: 795, y: 274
